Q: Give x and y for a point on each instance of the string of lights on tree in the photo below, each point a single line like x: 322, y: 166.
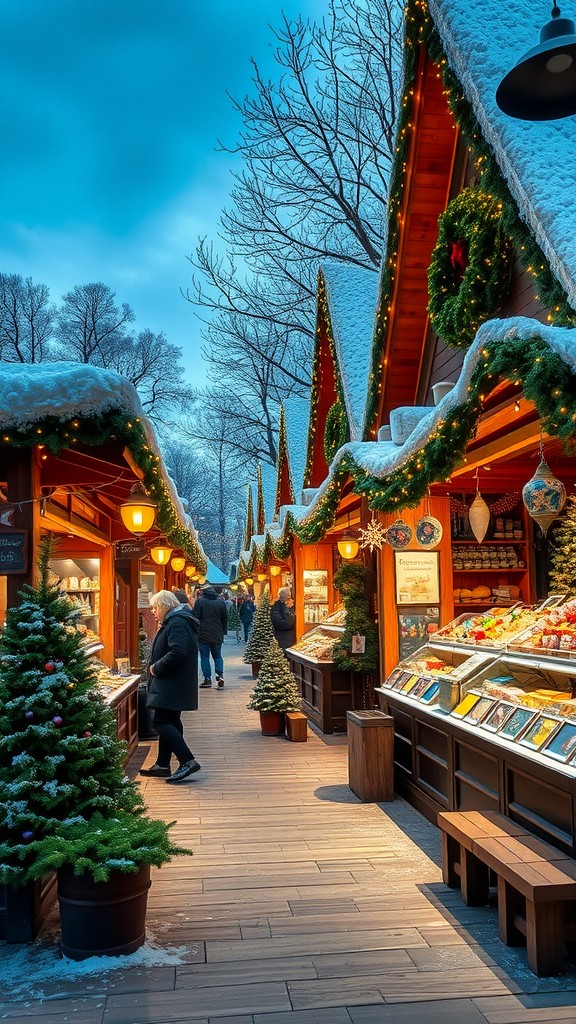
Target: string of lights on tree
x: 52, y: 435
x: 284, y: 488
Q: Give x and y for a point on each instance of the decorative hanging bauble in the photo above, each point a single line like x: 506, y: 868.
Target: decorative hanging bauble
x: 28, y: 715
x: 428, y: 531
x: 57, y: 720
x: 28, y: 836
x: 399, y: 534
x: 479, y: 517
x: 544, y: 496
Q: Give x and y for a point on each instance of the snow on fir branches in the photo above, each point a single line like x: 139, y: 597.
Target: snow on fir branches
x: 261, y: 634
x: 276, y: 688
x: 60, y: 758
x: 563, y: 552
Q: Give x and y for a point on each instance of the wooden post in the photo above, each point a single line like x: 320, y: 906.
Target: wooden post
x: 371, y: 755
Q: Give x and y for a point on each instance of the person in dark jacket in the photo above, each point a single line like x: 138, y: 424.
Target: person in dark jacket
x: 212, y: 615
x: 246, y: 613
x: 172, y: 684
x: 284, y: 619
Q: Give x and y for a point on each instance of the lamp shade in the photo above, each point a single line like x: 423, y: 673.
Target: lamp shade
x: 189, y: 571
x: 249, y: 581
x: 201, y: 579
x: 261, y: 577
x: 275, y: 570
x: 160, y: 555
x: 542, y: 85
x: 544, y: 496
x: 178, y: 562
x: 479, y: 517
x: 138, y: 511
x: 348, y: 547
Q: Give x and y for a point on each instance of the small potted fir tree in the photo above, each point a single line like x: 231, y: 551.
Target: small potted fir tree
x: 276, y: 691
x: 66, y: 804
x: 261, y: 634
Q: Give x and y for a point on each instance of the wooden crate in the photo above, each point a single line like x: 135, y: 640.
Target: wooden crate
x: 296, y: 726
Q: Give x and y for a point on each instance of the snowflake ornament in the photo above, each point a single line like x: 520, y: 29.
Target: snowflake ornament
x: 374, y: 536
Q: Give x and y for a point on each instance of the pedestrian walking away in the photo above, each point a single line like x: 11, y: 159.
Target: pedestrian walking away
x: 283, y: 619
x: 212, y: 616
x: 246, y: 613
x: 172, y: 684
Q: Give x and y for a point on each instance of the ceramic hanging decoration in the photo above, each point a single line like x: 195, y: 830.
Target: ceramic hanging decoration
x: 428, y: 531
x: 399, y: 535
x: 479, y: 517
x: 544, y: 496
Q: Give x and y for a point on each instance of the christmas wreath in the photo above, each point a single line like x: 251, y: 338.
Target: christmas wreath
x: 469, y: 269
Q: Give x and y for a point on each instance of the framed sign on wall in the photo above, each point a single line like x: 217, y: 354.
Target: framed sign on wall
x: 417, y: 577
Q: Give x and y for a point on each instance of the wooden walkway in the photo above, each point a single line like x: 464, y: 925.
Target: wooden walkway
x: 301, y: 905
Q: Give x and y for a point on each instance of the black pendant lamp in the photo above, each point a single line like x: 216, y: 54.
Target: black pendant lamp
x: 542, y: 85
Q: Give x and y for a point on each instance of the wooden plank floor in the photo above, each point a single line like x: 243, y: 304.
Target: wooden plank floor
x: 301, y: 905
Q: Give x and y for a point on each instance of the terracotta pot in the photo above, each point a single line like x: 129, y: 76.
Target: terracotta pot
x: 255, y: 669
x: 102, y: 918
x: 272, y: 723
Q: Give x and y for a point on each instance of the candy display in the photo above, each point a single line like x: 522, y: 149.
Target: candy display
x: 553, y: 631
x: 317, y: 643
x: 493, y: 628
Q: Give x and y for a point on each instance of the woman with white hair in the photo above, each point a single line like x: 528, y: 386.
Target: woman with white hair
x: 284, y: 619
x: 172, y: 684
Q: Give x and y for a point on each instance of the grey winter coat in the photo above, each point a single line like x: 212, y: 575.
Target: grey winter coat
x: 174, y: 655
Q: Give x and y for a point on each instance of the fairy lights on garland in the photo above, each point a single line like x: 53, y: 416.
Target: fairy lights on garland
x: 336, y: 430
x: 420, y: 31
x: 469, y: 269
x: 55, y: 434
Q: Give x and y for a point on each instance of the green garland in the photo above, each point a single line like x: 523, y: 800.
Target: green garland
x: 350, y: 580
x: 460, y: 302
x: 335, y: 431
x: 115, y: 425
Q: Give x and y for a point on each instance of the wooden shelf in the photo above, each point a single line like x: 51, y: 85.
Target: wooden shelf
x: 478, y: 572
x: 490, y: 543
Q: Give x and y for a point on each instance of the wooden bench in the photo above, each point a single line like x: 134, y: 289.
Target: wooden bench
x: 536, y: 882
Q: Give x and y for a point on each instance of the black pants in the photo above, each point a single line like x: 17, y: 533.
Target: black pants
x: 170, y: 737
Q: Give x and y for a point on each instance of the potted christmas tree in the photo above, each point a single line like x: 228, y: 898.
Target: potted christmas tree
x: 275, y: 692
x: 261, y: 634
x: 65, y: 801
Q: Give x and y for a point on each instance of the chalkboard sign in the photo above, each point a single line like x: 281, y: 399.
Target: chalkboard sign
x: 130, y: 549
x: 13, y: 551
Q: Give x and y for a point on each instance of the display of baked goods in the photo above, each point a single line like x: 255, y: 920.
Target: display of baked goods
x: 492, y: 628
x: 318, y: 643
x: 554, y: 631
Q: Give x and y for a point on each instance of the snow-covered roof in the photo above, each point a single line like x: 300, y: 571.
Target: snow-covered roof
x: 297, y: 412
x: 538, y: 159
x: 352, y: 296
x: 31, y: 392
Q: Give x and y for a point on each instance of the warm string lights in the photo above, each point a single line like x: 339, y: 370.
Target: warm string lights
x: 96, y: 430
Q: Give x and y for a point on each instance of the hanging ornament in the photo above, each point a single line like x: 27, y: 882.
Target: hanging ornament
x: 28, y: 836
x: 399, y: 535
x: 57, y: 720
x: 479, y: 515
x: 87, y: 735
x: 544, y: 495
x: 49, y: 666
x: 374, y: 536
x: 428, y: 529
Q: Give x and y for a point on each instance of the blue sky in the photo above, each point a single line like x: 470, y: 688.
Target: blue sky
x: 109, y: 118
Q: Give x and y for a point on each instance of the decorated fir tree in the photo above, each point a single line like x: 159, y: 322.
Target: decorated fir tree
x: 350, y: 580
x: 276, y: 688
x: 234, y: 624
x: 61, y: 763
x: 261, y: 635
x: 563, y: 552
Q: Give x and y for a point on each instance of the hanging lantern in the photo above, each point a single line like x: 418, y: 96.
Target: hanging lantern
x: 261, y: 577
x: 348, y: 546
x: 160, y: 555
x: 178, y: 562
x: 479, y: 517
x: 138, y: 511
x: 249, y: 581
x: 544, y: 496
x: 189, y: 571
x: 275, y: 570
x: 201, y: 580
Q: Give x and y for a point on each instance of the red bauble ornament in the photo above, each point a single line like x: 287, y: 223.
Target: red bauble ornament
x: 49, y: 666
x: 57, y: 720
x: 87, y: 735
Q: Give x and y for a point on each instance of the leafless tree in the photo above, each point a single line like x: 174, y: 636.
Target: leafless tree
x: 154, y: 367
x: 26, y: 319
x: 90, y: 324
x: 316, y: 146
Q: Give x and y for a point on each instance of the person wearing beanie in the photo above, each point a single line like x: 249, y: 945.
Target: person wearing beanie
x: 212, y: 614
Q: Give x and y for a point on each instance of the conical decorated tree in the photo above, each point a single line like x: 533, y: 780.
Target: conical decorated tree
x: 276, y: 688
x: 234, y: 623
x: 563, y: 553
x: 60, y: 759
x: 261, y: 635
